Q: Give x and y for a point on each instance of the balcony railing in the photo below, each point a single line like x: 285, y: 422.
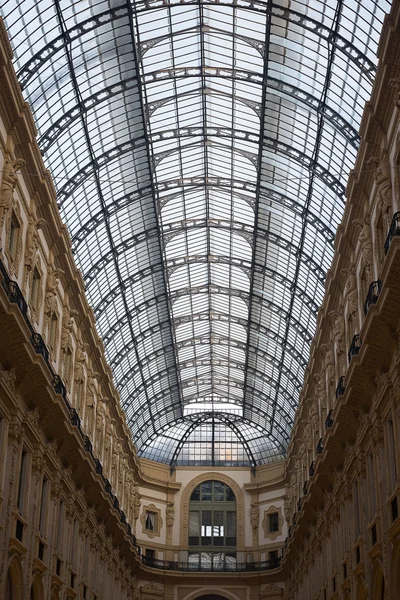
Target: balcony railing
x: 394, y: 230
x: 15, y: 296
x: 340, y: 387
x: 329, y: 420
x: 355, y: 346
x: 305, y: 487
x: 320, y: 446
x: 373, y: 295
x: 171, y: 565
x: 311, y: 470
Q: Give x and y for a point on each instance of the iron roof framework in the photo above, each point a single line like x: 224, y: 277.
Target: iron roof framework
x: 200, y: 152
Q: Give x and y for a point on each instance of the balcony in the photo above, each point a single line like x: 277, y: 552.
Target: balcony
x: 340, y: 387
x: 354, y: 347
x: 329, y: 420
x: 394, y: 230
x: 220, y: 567
x: 373, y: 295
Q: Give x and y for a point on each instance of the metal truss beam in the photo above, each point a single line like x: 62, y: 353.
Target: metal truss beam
x: 238, y: 293
x: 257, y: 328
x: 56, y: 129
x: 140, y: 238
x: 173, y: 264
x: 273, y: 144
x: 48, y: 51
x: 224, y: 187
x: 219, y: 340
x: 201, y: 419
x: 69, y: 35
x: 350, y: 50
x: 315, y: 157
x: 167, y: 392
x: 93, y: 165
x: 135, y: 144
x: 232, y: 418
x: 216, y: 362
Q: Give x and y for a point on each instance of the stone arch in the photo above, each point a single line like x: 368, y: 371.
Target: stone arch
x: 395, y: 568
x: 377, y: 582
x: 15, y: 575
x: 213, y: 476
x: 37, y: 592
x: 361, y: 591
x: 55, y: 595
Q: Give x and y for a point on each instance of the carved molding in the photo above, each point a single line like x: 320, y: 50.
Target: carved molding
x: 158, y: 524
x: 272, y: 535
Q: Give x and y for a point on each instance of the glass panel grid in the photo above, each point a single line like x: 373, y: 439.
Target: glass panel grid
x: 200, y: 154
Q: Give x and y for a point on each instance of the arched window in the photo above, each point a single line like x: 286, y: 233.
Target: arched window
x: 212, y: 526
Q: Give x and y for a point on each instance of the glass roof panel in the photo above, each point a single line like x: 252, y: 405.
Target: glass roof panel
x: 200, y: 154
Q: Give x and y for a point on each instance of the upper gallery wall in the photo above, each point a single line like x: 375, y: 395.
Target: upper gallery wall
x: 200, y: 153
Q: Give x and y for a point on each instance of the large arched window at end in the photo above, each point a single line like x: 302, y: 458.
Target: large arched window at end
x: 212, y: 526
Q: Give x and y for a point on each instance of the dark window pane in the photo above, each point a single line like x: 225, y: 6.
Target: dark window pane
x: 206, y: 541
x: 230, y: 541
x: 218, y: 491
x: 218, y: 517
x: 196, y: 494
x: 231, y: 523
x: 273, y: 522
x: 194, y: 541
x: 230, y: 496
x: 194, y: 522
x: 206, y: 491
x: 206, y: 517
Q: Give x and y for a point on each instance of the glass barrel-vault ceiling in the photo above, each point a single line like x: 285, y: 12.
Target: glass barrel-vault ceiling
x: 200, y: 152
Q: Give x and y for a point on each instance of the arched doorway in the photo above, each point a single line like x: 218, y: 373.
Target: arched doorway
x: 14, y: 581
x: 37, y: 589
x: 212, y: 526
x: 378, y: 583
x: 395, y: 569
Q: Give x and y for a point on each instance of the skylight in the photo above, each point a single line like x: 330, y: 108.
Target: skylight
x: 200, y: 153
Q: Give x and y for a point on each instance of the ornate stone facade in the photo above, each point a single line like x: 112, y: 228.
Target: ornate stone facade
x: 342, y: 499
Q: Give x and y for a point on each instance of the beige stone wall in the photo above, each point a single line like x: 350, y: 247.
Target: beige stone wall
x: 263, y: 492
x: 344, y: 537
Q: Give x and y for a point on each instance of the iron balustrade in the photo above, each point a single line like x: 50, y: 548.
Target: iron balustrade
x: 305, y: 487
x: 394, y: 231
x: 320, y: 446
x: 58, y: 385
x: 340, y: 387
x: 355, y: 346
x: 171, y: 565
x: 329, y: 420
x: 311, y: 470
x: 15, y: 296
x: 299, y: 505
x: 373, y: 294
